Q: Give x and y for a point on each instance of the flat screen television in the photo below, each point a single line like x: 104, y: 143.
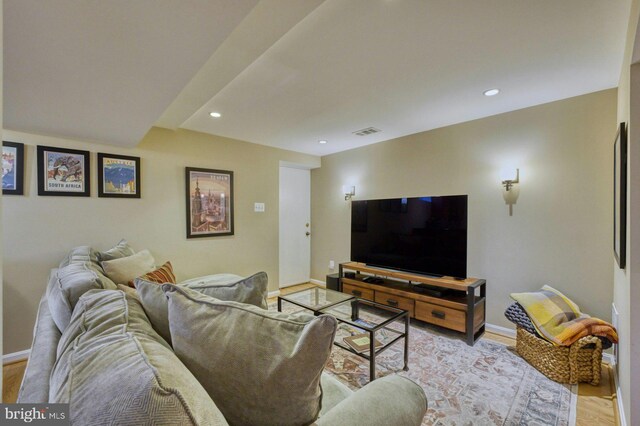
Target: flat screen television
x: 425, y: 235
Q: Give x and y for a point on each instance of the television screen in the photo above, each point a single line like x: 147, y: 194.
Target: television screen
x: 426, y: 235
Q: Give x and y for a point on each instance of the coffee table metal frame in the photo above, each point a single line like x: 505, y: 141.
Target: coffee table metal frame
x: 398, y: 314
x: 287, y: 298
x: 356, y: 304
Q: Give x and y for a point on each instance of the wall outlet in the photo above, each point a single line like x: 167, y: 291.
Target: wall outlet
x: 258, y: 207
x: 332, y: 265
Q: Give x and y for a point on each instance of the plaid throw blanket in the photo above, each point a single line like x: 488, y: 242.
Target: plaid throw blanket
x: 559, y: 320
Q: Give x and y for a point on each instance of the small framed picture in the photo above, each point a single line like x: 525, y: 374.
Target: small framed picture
x: 118, y: 176
x: 63, y: 172
x: 209, y: 202
x: 620, y: 196
x: 12, y: 168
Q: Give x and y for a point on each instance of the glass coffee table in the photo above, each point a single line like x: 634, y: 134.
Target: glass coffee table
x: 361, y: 322
x: 379, y: 326
x: 314, y: 299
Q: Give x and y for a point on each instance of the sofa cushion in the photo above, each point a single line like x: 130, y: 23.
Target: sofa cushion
x: 82, y: 254
x: 120, y: 250
x: 126, y: 269
x: 112, y: 368
x: 333, y: 392
x: 260, y: 367
x: 162, y: 275
x: 68, y: 284
x: 251, y: 290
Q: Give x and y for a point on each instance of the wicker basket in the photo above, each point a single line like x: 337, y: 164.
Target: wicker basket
x: 580, y: 362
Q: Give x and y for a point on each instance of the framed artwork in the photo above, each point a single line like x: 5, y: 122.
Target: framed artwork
x: 63, y: 172
x: 620, y: 197
x: 209, y: 202
x: 12, y: 168
x: 118, y: 176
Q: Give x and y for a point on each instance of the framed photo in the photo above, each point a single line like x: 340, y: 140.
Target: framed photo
x: 118, y: 176
x: 620, y: 197
x: 12, y: 168
x: 63, y: 172
x: 209, y: 202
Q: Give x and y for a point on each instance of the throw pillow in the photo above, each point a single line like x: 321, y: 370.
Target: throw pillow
x: 251, y: 290
x: 125, y: 269
x: 260, y: 367
x: 162, y: 275
x: 112, y: 368
x: 120, y: 250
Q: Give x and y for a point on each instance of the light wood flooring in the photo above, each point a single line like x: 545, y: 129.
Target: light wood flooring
x: 597, y: 405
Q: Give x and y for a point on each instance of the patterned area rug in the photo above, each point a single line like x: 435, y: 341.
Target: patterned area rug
x: 487, y: 384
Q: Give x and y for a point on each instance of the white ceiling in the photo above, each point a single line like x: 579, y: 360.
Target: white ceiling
x: 105, y: 70
x: 296, y: 71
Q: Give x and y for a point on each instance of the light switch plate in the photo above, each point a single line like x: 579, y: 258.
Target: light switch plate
x: 258, y: 207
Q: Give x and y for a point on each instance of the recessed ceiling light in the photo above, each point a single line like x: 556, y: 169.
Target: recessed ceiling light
x: 491, y: 92
x: 215, y: 114
x: 322, y: 142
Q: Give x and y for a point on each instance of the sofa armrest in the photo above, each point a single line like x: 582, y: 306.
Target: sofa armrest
x: 35, y: 382
x: 391, y: 400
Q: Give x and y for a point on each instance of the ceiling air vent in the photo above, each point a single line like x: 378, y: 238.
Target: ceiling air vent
x: 366, y: 132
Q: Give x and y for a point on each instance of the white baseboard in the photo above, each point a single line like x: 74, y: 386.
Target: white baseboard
x: 15, y: 356
x: 609, y: 359
x: 503, y: 331
x: 273, y: 293
x: 621, y: 417
x: 320, y: 283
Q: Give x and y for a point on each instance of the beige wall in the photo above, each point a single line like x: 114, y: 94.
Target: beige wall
x: 560, y: 231
x: 622, y: 294
x: 39, y: 231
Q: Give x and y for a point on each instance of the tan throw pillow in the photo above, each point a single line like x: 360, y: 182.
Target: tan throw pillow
x: 162, y: 275
x: 126, y: 269
x: 260, y: 367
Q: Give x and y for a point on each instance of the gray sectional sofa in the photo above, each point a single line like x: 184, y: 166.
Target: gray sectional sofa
x: 95, y: 348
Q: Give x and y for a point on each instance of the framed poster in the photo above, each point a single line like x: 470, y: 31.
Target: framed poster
x: 620, y: 197
x: 209, y: 202
x: 118, y: 176
x: 63, y: 172
x: 12, y: 168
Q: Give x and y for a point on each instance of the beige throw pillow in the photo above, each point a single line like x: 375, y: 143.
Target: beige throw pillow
x: 125, y: 269
x: 260, y: 367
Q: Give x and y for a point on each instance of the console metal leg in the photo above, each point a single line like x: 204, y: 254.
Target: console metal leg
x: 279, y: 304
x: 471, y: 293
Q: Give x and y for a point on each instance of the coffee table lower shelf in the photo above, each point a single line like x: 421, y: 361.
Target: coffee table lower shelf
x: 382, y: 316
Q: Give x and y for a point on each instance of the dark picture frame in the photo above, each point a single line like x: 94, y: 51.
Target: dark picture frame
x: 63, y: 172
x: 620, y: 196
x: 12, y: 168
x: 209, y: 201
x: 118, y: 176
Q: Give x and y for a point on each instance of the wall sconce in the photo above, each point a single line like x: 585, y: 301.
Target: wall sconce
x: 508, y: 179
x: 349, y: 191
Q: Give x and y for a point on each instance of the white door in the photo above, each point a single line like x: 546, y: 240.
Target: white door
x: 295, y: 226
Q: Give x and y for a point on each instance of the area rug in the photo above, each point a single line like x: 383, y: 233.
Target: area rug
x: 484, y: 384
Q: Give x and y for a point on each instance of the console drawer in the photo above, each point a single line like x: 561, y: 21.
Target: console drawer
x: 440, y: 315
x: 395, y: 301
x: 363, y: 293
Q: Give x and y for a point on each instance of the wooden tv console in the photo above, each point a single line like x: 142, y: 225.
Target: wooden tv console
x: 463, y: 310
